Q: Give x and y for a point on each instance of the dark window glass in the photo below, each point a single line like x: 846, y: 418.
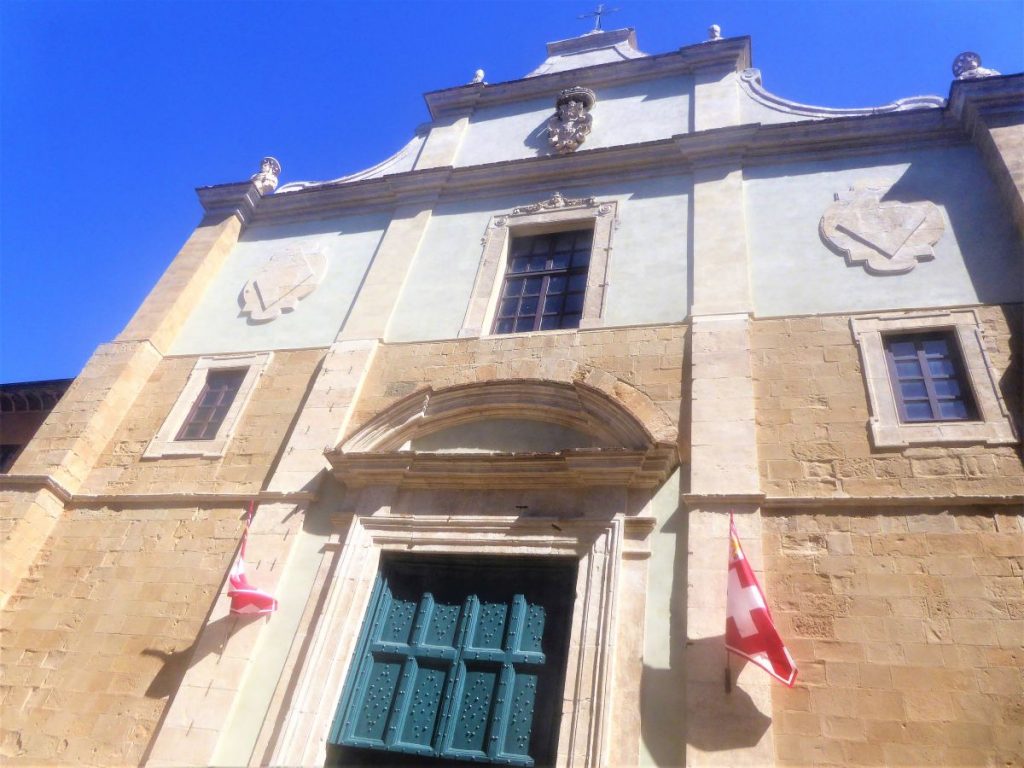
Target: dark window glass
x: 928, y: 378
x: 212, y: 405
x: 8, y: 453
x: 552, y: 295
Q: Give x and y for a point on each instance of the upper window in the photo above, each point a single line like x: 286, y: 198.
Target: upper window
x: 928, y: 377
x: 545, y: 282
x: 544, y: 266
x: 212, y: 405
x: 205, y: 415
x: 929, y: 380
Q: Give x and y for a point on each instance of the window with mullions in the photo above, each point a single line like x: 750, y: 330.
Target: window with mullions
x: 928, y: 378
x: 458, y: 660
x: 545, y: 282
x: 212, y: 405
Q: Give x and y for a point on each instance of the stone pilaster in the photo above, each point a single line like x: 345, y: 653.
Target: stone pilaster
x: 734, y: 728
x: 382, y: 286
x: 723, y: 433
x: 226, y: 651
x: 716, y: 101
x: 723, y: 438
x: 990, y: 110
x: 724, y: 477
x: 443, y: 141
x: 68, y: 444
x: 169, y: 304
x: 721, y: 272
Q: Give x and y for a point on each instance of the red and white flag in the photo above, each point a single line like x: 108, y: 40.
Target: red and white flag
x: 245, y: 598
x: 749, y: 629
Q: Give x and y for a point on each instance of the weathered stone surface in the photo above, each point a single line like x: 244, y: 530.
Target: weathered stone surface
x: 923, y: 660
x: 97, y: 639
x: 799, y: 404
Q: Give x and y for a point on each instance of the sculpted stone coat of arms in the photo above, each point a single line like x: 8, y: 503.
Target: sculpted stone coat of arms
x: 283, y: 282
x: 569, y: 126
x: 886, y: 238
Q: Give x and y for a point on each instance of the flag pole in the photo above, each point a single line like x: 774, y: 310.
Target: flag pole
x: 728, y: 656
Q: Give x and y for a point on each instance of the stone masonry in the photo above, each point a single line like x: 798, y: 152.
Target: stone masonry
x: 895, y: 571
x: 812, y: 408
x: 908, y: 629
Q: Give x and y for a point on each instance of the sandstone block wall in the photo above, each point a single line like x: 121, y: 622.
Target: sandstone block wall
x: 260, y: 435
x: 908, y: 630
x: 649, y: 359
x: 97, y: 634
x: 96, y: 637
x: 812, y: 414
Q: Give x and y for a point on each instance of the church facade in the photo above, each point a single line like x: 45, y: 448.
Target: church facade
x: 493, y: 403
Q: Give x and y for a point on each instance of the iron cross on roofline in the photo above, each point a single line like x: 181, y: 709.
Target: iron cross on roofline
x: 597, y: 14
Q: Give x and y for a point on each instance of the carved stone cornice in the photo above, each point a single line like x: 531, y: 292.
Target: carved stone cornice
x: 902, y: 505
x: 574, y: 468
x: 32, y: 483
x: 749, y: 144
x: 553, y: 203
x: 750, y: 82
x: 840, y: 136
x: 988, y: 96
x: 239, y: 198
x: 731, y: 54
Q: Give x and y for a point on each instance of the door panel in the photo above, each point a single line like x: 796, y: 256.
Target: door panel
x: 459, y: 660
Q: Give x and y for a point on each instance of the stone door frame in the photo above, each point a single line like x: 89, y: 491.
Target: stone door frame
x: 601, y: 547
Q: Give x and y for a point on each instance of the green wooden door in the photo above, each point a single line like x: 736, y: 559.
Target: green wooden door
x: 458, y: 660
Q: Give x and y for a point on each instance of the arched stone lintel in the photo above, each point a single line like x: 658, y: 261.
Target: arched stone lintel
x: 589, y: 400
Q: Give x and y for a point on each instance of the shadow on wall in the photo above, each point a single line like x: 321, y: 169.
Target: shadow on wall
x: 714, y: 723
x: 663, y: 725
x: 1011, y: 383
x: 537, y: 139
x: 176, y: 663
x: 980, y: 221
x: 729, y: 721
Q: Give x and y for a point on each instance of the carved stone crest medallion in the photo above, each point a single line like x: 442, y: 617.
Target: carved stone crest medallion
x: 553, y: 203
x: 885, y: 238
x: 569, y: 126
x: 283, y: 282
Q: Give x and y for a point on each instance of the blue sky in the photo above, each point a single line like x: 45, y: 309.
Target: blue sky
x: 113, y: 112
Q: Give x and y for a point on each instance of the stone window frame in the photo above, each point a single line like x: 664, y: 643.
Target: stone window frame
x: 992, y: 425
x: 554, y: 215
x: 603, y: 549
x: 164, y: 442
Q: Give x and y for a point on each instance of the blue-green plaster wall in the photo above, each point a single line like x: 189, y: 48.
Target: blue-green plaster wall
x: 647, y: 271
x: 978, y: 259
x: 624, y: 114
x: 217, y: 325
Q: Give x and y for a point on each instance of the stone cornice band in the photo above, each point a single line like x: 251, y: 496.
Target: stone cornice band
x: 750, y: 144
